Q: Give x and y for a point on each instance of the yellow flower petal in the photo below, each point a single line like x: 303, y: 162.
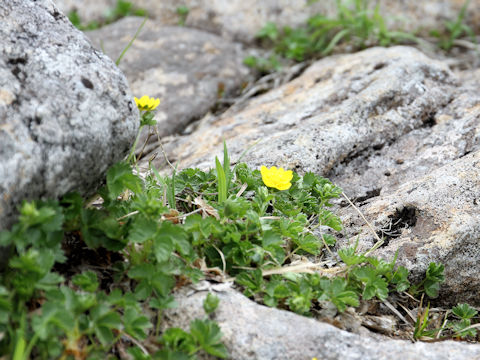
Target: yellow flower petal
x: 146, y: 103
x: 276, y: 178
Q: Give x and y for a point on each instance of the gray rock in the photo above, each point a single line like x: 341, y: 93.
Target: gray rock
x: 433, y: 218
x: 256, y: 332
x: 451, y: 132
x: 338, y: 109
x: 190, y: 70
x: 66, y: 113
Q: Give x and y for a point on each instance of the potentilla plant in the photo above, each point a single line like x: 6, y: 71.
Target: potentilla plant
x: 265, y: 229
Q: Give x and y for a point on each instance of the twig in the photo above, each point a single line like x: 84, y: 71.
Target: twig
x: 163, y: 150
x: 408, y: 312
x: 327, y: 247
x: 224, y: 264
x: 396, y: 312
x: 139, y: 344
x: 379, y: 241
x: 128, y: 215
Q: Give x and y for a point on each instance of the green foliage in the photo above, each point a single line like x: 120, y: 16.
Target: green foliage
x: 355, y: 24
x: 182, y: 12
x: 121, y: 10
x: 454, y: 30
x: 462, y: 326
x: 211, y: 303
x: 224, y: 218
x: 422, y: 323
x: 431, y: 284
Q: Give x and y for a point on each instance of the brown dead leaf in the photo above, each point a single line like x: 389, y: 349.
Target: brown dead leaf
x: 207, y: 210
x: 172, y: 216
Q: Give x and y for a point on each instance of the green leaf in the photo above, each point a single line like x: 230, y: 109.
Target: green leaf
x: 435, y: 272
x: 86, y: 281
x: 169, y: 237
x: 309, y: 243
x: 208, y: 335
x: 336, y: 291
x: 400, y: 278
x: 251, y: 280
x: 464, y: 311
x: 431, y: 288
x: 222, y: 182
x: 162, y: 303
x: 349, y: 257
x: 142, y: 229
x: 210, y: 303
x: 375, y: 285
x: 137, y: 354
x: 120, y: 178
x: 226, y: 165
x: 434, y: 277
x: 135, y: 323
x: 177, y: 340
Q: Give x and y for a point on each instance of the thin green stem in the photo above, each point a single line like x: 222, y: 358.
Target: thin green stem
x: 132, y: 152
x: 131, y: 42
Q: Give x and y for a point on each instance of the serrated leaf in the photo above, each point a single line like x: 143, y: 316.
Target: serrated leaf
x: 135, y: 323
x: 120, y: 178
x: 464, y: 311
x: 142, y: 229
x: 208, y: 335
x: 87, y: 281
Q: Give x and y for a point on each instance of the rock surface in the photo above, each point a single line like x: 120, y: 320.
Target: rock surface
x: 188, y: 69
x: 242, y: 19
x: 373, y: 122
x: 433, y: 218
x: 256, y: 332
x: 336, y: 110
x: 66, y: 113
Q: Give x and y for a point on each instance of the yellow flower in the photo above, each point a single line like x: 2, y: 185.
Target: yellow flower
x: 276, y: 178
x: 147, y: 103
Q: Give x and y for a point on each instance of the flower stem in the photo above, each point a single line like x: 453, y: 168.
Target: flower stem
x: 132, y: 152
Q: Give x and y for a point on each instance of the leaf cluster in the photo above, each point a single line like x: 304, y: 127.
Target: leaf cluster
x: 355, y: 24
x: 161, y: 232
x: 454, y: 30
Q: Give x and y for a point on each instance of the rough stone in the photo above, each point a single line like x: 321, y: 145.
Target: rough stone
x: 66, y: 113
x: 253, y: 331
x: 336, y: 110
x: 190, y: 70
x: 450, y: 133
x: 435, y: 218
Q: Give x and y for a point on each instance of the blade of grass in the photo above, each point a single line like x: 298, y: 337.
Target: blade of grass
x: 226, y: 165
x: 131, y: 42
x: 171, y: 190
x: 222, y: 182
x: 169, y: 186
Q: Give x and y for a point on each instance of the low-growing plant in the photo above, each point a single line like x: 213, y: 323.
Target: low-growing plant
x: 122, y: 9
x: 454, y: 30
x: 355, y: 23
x: 182, y: 12
x: 86, y: 279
